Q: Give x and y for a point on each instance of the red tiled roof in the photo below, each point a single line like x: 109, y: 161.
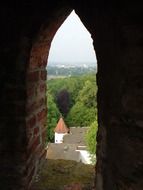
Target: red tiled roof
x: 61, y: 127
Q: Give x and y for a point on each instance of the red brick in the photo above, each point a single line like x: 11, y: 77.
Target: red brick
x: 33, y: 76
x: 33, y: 145
x: 42, y: 62
x: 41, y: 102
x: 44, y: 124
x: 31, y: 91
x: 31, y: 122
x: 43, y: 154
x: 44, y: 133
x: 39, y: 150
x: 41, y: 114
x: 31, y: 174
x: 29, y: 136
x: 33, y: 62
x: 35, y: 105
x: 39, y: 55
x: 43, y: 88
x: 31, y: 108
x: 43, y: 75
x: 36, y: 130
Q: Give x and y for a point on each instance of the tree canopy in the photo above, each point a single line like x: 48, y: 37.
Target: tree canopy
x: 91, y: 137
x: 74, y: 98
x: 63, y: 101
x: 52, y: 117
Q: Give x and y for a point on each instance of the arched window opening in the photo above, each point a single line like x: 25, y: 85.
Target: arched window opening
x: 71, y: 102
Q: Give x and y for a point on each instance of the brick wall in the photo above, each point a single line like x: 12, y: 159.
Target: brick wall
x: 116, y: 30
x: 26, y: 35
x: 36, y: 104
x: 36, y: 108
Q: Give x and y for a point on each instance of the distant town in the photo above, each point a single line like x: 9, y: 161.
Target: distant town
x: 72, y: 64
x: 56, y: 70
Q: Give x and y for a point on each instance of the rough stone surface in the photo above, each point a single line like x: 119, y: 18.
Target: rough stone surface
x: 27, y: 29
x: 64, y: 175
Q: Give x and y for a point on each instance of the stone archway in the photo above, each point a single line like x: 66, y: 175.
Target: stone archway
x: 36, y: 107
x: 117, y: 105
x: 36, y: 92
x: 117, y: 33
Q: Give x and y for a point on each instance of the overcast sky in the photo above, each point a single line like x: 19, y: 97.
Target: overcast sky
x: 72, y: 43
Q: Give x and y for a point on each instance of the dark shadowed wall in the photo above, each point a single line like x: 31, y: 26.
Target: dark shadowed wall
x: 27, y: 29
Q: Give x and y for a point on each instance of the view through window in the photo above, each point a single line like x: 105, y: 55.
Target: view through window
x: 72, y: 106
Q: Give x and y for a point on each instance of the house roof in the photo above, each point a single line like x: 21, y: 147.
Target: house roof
x: 63, y: 151
x: 61, y: 127
x: 76, y: 135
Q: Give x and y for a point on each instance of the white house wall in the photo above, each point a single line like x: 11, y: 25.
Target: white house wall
x: 59, y: 137
x: 85, y: 156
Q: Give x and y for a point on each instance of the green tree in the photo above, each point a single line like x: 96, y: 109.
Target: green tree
x: 80, y: 115
x: 63, y: 102
x: 91, y: 137
x: 82, y: 92
x: 52, y: 117
x: 84, y: 111
x: 71, y: 84
x: 88, y: 94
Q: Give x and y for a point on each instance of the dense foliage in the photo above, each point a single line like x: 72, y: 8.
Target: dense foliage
x: 63, y: 102
x: 53, y: 117
x: 91, y: 136
x: 75, y: 99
